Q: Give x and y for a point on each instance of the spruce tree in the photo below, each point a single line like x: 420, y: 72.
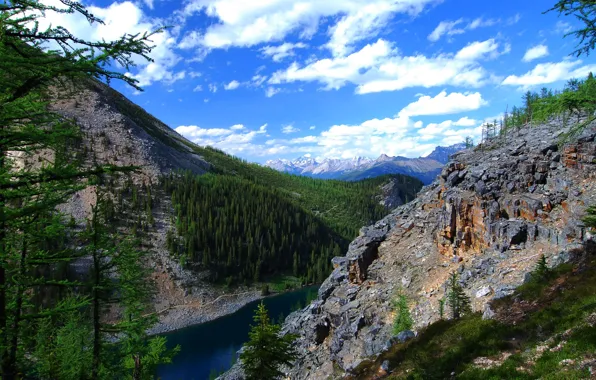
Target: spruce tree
x: 541, y: 270
x: 403, y: 319
x: 266, y: 351
x: 457, y: 300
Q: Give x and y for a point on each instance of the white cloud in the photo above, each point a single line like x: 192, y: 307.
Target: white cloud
x: 535, y: 52
x: 477, y: 50
x: 191, y: 40
x: 550, y: 72
x: 198, y: 88
x: 245, y: 23
x: 304, y: 140
x: 378, y: 67
x: 232, y: 85
x: 452, y: 28
x: 482, y: 23
x: 279, y: 52
x: 194, y: 74
x: 443, y: 104
x: 563, y: 27
x: 289, y: 129
x: 312, y: 127
x: 258, y: 80
x: 271, y: 91
x: 191, y: 131
x: 446, y: 28
x: 235, y: 139
x: 365, y: 22
x: 212, y: 87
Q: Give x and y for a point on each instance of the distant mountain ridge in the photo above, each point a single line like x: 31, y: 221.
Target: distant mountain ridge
x: 424, y: 168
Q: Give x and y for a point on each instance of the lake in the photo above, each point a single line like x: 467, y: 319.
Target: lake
x: 211, y: 346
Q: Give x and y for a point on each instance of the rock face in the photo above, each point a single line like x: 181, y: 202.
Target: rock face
x: 489, y: 216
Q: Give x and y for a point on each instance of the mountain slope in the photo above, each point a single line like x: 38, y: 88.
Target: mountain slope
x: 488, y: 217
x: 115, y: 130
x: 424, y: 168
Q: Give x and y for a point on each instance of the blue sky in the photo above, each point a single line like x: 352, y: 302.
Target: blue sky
x: 265, y: 79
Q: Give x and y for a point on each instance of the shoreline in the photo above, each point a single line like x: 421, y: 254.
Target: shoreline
x: 179, y: 317
x: 186, y: 315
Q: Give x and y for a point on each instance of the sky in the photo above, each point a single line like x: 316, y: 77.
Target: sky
x: 267, y: 79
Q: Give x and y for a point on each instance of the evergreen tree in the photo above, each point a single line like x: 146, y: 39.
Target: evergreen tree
x: 590, y: 219
x: 266, y: 351
x: 541, y: 270
x: 30, y: 76
x: 469, y: 142
x: 457, y: 300
x: 403, y: 319
x: 442, y: 308
x: 118, y: 277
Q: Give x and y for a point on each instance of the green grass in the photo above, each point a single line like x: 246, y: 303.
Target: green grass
x: 555, y: 306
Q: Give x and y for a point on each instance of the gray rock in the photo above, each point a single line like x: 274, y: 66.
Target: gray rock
x: 483, y: 292
x: 488, y: 313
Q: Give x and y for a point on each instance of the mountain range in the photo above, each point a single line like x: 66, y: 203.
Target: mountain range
x: 425, y: 169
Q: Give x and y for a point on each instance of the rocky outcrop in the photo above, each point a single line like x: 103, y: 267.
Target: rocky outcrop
x: 489, y: 216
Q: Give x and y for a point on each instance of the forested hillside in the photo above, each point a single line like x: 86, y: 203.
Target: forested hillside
x: 242, y: 230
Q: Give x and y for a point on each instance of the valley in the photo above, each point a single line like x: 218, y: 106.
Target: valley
x: 176, y: 201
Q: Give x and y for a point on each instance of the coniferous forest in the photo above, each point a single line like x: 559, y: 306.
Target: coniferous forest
x: 243, y: 231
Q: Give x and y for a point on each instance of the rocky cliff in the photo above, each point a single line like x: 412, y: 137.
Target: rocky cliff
x: 489, y: 216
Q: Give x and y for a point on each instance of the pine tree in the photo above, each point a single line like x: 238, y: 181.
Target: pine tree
x: 403, y: 319
x: 457, y: 300
x: 266, y: 351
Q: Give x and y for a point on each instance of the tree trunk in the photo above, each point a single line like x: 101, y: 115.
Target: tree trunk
x: 12, y: 357
x: 138, y: 370
x: 96, y: 315
x: 3, y: 316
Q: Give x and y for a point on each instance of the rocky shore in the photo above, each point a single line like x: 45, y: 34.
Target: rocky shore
x: 179, y: 317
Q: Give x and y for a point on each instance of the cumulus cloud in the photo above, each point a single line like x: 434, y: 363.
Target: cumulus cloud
x: 232, y: 85
x: 477, y: 50
x: 245, y: 23
x: 379, y: 67
x: 279, y: 52
x: 535, y: 52
x: 289, y: 129
x: 550, y: 72
x: 198, y: 88
x: 213, y: 87
x: 235, y: 139
x: 444, y: 104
